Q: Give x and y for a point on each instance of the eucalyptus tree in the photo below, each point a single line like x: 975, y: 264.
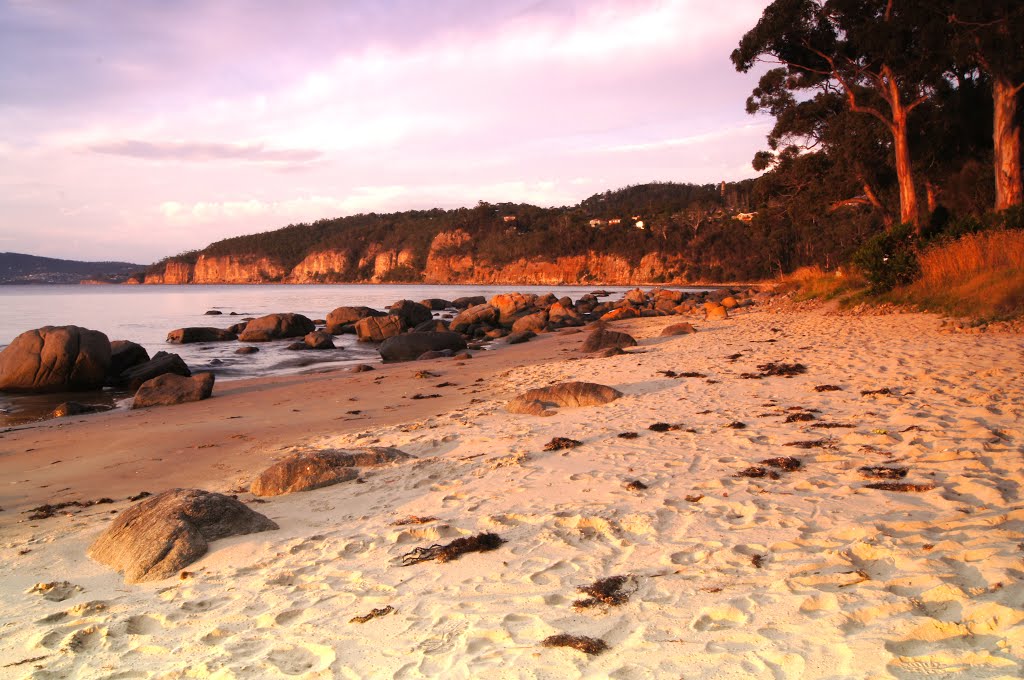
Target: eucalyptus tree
x: 880, y: 58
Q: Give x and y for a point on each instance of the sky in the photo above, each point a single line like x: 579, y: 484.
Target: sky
x: 133, y: 130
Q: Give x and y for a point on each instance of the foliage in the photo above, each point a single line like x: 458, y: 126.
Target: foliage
x: 888, y: 259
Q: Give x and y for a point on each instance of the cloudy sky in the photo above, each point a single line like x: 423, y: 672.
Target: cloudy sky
x: 132, y: 130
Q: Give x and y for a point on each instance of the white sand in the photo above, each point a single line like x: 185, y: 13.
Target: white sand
x: 852, y: 582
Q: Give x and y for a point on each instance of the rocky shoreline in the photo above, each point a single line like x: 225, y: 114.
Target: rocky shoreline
x: 71, y: 359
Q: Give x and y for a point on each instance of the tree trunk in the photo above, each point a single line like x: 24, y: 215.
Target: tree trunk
x: 932, y: 194
x: 869, y: 191
x: 1006, y: 141
x: 909, y: 213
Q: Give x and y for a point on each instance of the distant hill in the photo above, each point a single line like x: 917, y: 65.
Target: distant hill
x: 22, y: 268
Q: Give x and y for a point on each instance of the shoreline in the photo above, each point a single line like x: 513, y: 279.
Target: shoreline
x: 812, y: 574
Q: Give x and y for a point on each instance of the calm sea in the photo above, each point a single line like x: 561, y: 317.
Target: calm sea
x: 145, y: 314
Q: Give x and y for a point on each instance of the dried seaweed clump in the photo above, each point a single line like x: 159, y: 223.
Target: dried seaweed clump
x: 587, y: 645
x: 900, y: 486
x: 559, y: 443
x: 609, y: 591
x: 628, y: 435
x: 799, y: 417
x: 884, y: 390
x: 736, y: 425
x: 758, y: 472
x: 451, y: 551
x: 811, y: 444
x: 662, y: 427
x: 412, y: 519
x: 47, y: 511
x: 773, y: 368
x: 883, y: 472
x: 635, y: 485
x: 827, y: 388
x: 376, y: 613
x: 787, y: 463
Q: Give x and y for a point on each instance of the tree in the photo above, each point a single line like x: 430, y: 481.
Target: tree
x: 881, y: 57
x: 990, y: 35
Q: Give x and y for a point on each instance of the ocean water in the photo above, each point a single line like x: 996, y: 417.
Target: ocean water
x: 145, y: 314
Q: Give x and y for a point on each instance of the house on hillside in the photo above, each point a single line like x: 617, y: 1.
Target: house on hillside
x: 615, y: 220
x: 509, y: 218
x: 596, y: 223
x: 744, y: 217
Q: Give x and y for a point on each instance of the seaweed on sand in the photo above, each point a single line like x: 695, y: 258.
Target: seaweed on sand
x: 884, y: 390
x: 412, y: 519
x: 587, y: 645
x: 827, y: 388
x: 628, y: 435
x: 900, y: 486
x: 798, y: 417
x: 635, y: 485
x: 787, y: 463
x: 607, y: 591
x: 559, y: 443
x: 811, y: 444
x: 883, y: 472
x: 758, y: 472
x: 450, y: 551
x: 662, y: 427
x: 383, y: 611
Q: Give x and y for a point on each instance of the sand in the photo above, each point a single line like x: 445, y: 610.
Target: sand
x: 810, y: 575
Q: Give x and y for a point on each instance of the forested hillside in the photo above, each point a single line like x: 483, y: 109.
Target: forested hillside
x: 21, y: 268
x: 897, y: 126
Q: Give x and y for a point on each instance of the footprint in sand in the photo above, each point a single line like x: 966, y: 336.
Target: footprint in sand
x: 298, y: 660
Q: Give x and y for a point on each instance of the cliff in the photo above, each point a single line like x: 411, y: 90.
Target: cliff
x: 657, y: 233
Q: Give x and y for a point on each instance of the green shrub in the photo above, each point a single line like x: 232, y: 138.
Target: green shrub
x: 888, y: 259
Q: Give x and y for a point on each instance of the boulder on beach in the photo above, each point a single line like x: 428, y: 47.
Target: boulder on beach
x: 602, y: 338
x: 307, y: 470
x: 125, y: 354
x: 248, y: 349
x: 160, y: 364
x: 184, y: 336
x: 277, y: 326
x: 319, y: 340
x: 562, y: 314
x: 535, y: 322
x: 519, y: 337
x: 411, y: 313
x: 678, y: 329
x: 468, y: 301
x: 482, y: 314
x: 714, y: 311
x: 170, y: 389
x: 346, y: 316
x: 161, y: 535
x: 411, y: 345
x: 620, y: 313
x: 511, y: 306
x: 55, y: 359
x: 378, y: 328
x: 435, y: 304
x: 539, y: 402
x: 635, y: 297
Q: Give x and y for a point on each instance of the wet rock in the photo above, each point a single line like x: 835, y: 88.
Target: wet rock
x: 347, y: 316
x: 161, y: 363
x: 248, y: 349
x: 319, y: 340
x: 619, y: 314
x: 411, y: 313
x: 409, y: 346
x: 276, y: 327
x: 165, y: 533
x: 55, y: 359
x: 184, y: 336
x: 469, y: 301
x: 474, y: 316
x: 535, y: 322
x: 511, y: 306
x: 125, y: 354
x: 436, y: 304
x: 378, y: 328
x: 74, y: 408
x: 170, y: 389
x: 519, y: 337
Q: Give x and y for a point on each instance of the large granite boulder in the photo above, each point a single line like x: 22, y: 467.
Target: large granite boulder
x: 539, y: 402
x: 307, y: 470
x: 535, y: 322
x: 161, y: 535
x: 170, y: 389
x: 468, y: 301
x: 184, y: 336
x: 411, y: 345
x: 436, y: 304
x: 618, y: 313
x: 161, y: 363
x: 378, y: 328
x: 341, y: 317
x: 277, y: 326
x: 714, y: 311
x: 562, y: 314
x: 55, y: 359
x: 476, y: 315
x: 635, y: 297
x: 602, y: 338
x: 511, y: 306
x: 318, y: 340
x: 125, y: 354
x: 411, y: 313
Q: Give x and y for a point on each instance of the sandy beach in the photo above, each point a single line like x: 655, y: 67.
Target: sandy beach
x: 772, y: 573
